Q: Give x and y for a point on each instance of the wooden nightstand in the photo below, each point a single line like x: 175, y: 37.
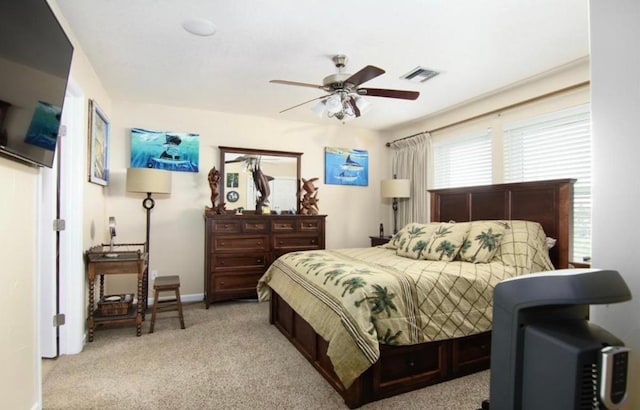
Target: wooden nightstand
x: 379, y: 240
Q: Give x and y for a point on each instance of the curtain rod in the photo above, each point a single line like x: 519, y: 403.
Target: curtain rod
x: 497, y: 110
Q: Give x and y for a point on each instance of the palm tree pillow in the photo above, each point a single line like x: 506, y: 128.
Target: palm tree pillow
x: 446, y: 241
x: 483, y: 241
x: 412, y: 240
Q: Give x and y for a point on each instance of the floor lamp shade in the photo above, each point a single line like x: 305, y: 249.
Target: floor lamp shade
x: 155, y: 181
x: 395, y: 188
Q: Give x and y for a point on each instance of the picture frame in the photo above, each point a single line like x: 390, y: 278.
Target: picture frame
x: 168, y: 150
x: 346, y: 166
x: 99, y: 132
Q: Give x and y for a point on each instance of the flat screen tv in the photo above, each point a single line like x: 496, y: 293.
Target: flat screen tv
x: 35, y: 58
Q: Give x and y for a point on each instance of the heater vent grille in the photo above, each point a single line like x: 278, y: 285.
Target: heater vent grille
x: 420, y: 75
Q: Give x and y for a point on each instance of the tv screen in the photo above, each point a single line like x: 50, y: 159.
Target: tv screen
x: 35, y: 58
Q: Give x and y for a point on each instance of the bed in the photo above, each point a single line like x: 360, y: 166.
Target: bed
x: 405, y: 334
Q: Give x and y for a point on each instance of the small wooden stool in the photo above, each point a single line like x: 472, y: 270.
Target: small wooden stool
x: 163, y: 284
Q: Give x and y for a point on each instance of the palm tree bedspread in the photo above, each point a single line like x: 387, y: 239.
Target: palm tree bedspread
x: 358, y: 298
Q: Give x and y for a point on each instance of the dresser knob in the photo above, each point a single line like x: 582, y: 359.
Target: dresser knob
x: 313, y: 242
x: 280, y: 242
x: 222, y: 263
x: 259, y: 261
x: 222, y: 243
x: 411, y: 364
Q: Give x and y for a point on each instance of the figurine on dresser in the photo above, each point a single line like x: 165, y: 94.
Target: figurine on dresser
x: 308, y: 197
x: 214, y: 180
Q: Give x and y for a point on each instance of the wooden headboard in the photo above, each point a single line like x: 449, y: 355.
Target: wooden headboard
x: 549, y: 203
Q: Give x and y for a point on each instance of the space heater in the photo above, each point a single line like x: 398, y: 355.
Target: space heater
x: 546, y: 354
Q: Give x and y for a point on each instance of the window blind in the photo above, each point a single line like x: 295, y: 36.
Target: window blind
x: 553, y: 146
x: 462, y: 161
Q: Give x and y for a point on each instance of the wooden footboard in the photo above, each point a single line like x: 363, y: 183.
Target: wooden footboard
x: 400, y: 368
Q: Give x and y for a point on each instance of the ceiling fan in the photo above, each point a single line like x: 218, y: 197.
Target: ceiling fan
x: 345, y: 94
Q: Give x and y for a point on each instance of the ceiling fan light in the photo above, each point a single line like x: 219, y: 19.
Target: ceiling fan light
x: 348, y: 109
x: 334, y: 104
x: 319, y: 108
x: 362, y: 104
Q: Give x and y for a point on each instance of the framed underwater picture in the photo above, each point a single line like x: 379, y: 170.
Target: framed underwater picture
x: 173, y: 151
x: 99, y: 129
x: 345, y: 166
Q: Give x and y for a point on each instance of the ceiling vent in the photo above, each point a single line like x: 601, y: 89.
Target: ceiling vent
x: 419, y: 75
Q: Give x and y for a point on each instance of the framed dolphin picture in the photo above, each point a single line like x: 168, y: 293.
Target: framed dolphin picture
x: 346, y: 166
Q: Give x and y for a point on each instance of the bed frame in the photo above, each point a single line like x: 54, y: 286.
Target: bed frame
x: 405, y: 368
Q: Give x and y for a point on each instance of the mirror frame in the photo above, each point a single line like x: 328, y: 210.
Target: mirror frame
x: 254, y: 151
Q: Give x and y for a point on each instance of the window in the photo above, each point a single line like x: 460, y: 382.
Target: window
x: 549, y: 146
x: 462, y: 161
x: 553, y: 146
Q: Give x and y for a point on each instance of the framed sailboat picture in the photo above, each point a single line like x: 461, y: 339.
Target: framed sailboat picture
x: 346, y: 166
x: 173, y: 151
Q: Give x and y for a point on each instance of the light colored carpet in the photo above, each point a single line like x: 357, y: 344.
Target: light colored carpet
x: 228, y: 357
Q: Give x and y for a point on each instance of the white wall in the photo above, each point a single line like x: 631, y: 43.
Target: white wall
x: 177, y: 228
x: 616, y: 148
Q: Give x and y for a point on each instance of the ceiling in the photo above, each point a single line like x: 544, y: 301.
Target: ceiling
x: 141, y: 52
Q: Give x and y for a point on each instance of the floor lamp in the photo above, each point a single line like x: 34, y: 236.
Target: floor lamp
x: 149, y: 181
x: 395, y: 188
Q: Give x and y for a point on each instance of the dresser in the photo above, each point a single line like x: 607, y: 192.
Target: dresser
x: 240, y: 248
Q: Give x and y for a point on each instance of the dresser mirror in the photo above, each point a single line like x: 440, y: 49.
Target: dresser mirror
x: 259, y: 181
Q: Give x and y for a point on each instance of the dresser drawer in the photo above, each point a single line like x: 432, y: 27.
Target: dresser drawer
x: 228, y: 261
x: 240, y: 243
x: 310, y: 224
x: 283, y: 225
x: 295, y: 242
x: 226, y: 226
x: 236, y: 283
x: 255, y: 226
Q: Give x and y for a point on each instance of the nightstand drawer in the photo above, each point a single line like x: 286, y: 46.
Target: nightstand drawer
x: 379, y: 240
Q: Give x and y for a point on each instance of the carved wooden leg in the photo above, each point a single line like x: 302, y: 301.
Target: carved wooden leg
x: 90, y: 323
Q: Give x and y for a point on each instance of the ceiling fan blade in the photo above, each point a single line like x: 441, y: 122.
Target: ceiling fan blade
x: 381, y: 92
x: 356, y: 110
x: 306, y: 102
x: 285, y: 82
x: 368, y: 73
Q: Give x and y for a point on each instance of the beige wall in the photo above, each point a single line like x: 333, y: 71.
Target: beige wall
x: 616, y: 144
x: 177, y: 231
x: 18, y: 342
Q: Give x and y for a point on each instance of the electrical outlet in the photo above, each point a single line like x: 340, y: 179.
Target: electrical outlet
x: 154, y: 274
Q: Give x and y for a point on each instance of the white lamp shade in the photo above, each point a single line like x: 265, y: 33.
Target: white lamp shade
x: 156, y: 181
x: 334, y: 104
x: 395, y: 188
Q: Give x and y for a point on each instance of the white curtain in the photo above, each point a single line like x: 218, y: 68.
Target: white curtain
x: 410, y: 159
